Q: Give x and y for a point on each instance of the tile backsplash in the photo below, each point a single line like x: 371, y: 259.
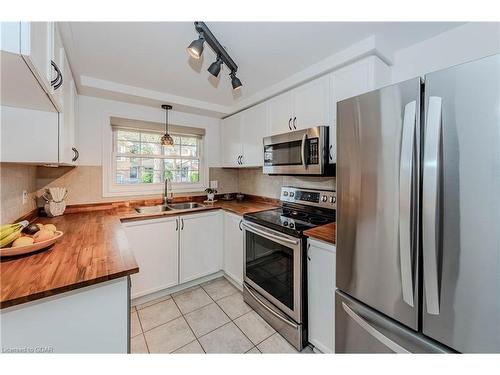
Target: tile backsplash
x: 14, y: 179
x: 84, y: 184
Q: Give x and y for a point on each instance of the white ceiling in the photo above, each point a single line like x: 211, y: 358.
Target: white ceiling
x: 152, y: 55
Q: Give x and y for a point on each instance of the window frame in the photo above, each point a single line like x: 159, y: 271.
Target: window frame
x: 112, y: 189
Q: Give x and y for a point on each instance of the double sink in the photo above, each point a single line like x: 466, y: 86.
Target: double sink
x: 168, y: 207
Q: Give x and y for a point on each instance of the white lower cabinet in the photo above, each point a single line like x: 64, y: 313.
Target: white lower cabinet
x: 233, y: 247
x: 155, y: 244
x: 321, y: 295
x: 93, y: 319
x: 200, y: 251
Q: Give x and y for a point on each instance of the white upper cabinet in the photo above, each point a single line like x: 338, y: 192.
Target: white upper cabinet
x: 303, y: 107
x: 281, y: 113
x: 154, y: 243
x: 311, y: 104
x: 253, y: 130
x: 200, y: 250
x: 68, y: 152
x: 37, y: 49
x: 230, y: 141
x: 241, y: 137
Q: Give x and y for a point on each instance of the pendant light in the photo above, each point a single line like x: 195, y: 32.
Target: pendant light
x: 166, y: 140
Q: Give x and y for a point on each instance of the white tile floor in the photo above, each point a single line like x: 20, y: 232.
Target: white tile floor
x: 208, y: 318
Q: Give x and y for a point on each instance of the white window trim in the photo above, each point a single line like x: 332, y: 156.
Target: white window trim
x: 111, y: 189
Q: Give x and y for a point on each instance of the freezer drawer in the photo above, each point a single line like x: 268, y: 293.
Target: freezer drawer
x: 359, y: 329
x: 461, y: 207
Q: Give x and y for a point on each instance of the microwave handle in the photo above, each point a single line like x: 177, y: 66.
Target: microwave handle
x: 303, y: 151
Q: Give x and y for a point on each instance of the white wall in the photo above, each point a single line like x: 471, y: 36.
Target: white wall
x: 94, y: 113
x: 468, y: 42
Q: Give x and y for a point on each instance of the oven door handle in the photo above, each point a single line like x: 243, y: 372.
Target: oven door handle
x: 268, y: 309
x: 269, y: 235
x: 303, y: 150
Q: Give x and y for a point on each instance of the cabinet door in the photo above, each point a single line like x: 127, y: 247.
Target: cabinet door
x: 29, y: 136
x: 253, y: 130
x: 233, y: 247
x: 230, y: 141
x: 280, y: 113
x: 321, y: 295
x: 311, y: 104
x: 154, y: 243
x: 37, y: 49
x: 200, y: 248
x: 59, y: 58
x: 68, y: 117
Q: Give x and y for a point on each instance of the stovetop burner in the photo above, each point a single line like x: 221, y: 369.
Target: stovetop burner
x: 291, y: 220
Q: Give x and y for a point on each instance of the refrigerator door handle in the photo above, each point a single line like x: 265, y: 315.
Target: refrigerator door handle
x: 405, y: 201
x: 395, y: 347
x: 430, y: 202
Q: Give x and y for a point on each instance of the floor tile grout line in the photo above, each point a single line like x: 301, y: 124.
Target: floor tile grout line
x: 142, y: 331
x: 183, y: 317
x: 145, y: 307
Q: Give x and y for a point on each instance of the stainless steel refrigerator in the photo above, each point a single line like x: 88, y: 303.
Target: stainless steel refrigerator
x: 418, y: 215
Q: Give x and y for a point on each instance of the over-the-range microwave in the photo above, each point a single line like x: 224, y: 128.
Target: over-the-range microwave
x: 300, y: 152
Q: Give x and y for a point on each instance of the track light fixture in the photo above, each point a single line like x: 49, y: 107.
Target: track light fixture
x: 195, y: 49
x: 235, y: 81
x: 214, y: 68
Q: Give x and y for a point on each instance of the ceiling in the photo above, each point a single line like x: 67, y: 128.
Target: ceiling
x: 152, y: 55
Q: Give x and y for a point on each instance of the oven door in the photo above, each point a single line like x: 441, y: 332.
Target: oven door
x: 273, y: 267
x: 301, y: 152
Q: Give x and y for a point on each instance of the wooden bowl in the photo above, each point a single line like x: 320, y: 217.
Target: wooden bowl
x: 19, y: 250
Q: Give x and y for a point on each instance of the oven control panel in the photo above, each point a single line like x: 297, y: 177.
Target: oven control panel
x: 319, y: 198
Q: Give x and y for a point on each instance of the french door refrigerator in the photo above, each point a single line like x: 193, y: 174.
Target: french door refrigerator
x: 418, y: 215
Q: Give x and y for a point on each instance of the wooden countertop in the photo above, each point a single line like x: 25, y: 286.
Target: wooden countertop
x: 326, y: 233
x: 94, y: 249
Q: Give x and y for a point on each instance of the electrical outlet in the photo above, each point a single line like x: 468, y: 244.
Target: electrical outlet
x: 25, y: 197
x: 214, y: 184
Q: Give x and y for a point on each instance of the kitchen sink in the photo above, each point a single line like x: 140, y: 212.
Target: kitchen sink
x: 185, y: 206
x: 153, y: 209
x: 171, y: 207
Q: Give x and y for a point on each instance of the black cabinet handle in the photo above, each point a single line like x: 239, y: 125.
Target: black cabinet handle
x: 294, y: 119
x: 58, y: 81
x: 182, y: 224
x: 176, y: 225
x: 289, y: 121
x: 77, y: 154
x: 331, y: 157
x: 239, y: 225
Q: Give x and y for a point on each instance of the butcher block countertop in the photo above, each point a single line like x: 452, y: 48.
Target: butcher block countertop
x: 94, y: 249
x: 324, y: 233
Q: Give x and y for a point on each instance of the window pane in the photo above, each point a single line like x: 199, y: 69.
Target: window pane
x: 128, y: 170
x: 151, y: 137
x: 171, y: 150
x: 150, y: 149
x: 194, y: 176
x: 128, y: 135
x: 128, y: 147
x: 190, y: 141
x: 190, y: 151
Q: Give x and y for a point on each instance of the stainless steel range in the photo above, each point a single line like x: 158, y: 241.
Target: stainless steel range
x: 275, y: 268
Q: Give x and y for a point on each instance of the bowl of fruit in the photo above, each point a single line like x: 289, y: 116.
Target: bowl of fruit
x: 23, y: 238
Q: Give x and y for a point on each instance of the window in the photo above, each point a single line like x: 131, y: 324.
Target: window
x: 140, y: 159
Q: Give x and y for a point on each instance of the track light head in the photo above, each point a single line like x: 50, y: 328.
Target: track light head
x: 214, y: 68
x: 235, y: 82
x: 195, y: 49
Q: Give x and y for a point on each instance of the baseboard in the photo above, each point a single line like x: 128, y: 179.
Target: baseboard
x: 237, y: 284
x: 174, y: 289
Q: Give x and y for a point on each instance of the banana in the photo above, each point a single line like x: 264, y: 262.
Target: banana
x: 10, y: 238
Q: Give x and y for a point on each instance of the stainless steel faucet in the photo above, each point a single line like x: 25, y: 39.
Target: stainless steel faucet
x: 166, y: 198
